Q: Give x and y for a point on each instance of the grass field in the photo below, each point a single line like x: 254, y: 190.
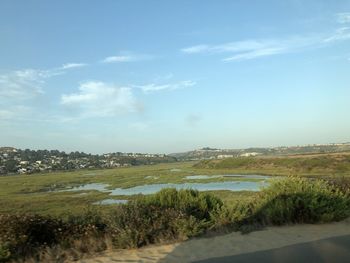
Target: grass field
x: 37, y: 193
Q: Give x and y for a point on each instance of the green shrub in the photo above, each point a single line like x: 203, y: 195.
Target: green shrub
x: 5, y: 253
x: 300, y: 200
x: 25, y: 235
x: 166, y: 215
x: 136, y: 225
x: 22, y: 234
x: 171, y: 215
x: 340, y: 183
x: 191, y: 202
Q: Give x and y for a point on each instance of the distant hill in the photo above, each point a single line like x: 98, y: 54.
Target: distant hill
x: 214, y: 153
x: 326, y: 163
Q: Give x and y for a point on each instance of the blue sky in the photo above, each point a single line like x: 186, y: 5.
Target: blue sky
x: 168, y: 76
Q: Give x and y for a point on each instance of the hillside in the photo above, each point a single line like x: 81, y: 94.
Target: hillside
x: 327, y: 164
x: 214, y: 153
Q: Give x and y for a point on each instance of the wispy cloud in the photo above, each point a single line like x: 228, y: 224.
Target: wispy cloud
x: 153, y: 87
x: 23, y: 84
x: 126, y: 57
x: 100, y: 99
x: 114, y: 59
x: 28, y: 83
x: 256, y: 48
x: 340, y: 34
x: 343, y: 18
x: 256, y: 54
x: 196, y: 49
x: 73, y: 65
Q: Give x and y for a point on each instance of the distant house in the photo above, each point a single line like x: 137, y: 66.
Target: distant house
x: 22, y: 170
x: 223, y: 156
x: 249, y: 154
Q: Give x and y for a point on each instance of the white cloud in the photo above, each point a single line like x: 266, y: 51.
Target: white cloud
x: 250, y: 49
x: 28, y: 83
x: 113, y: 59
x: 256, y: 48
x: 126, y: 57
x: 340, y: 34
x: 255, y: 54
x: 23, y: 84
x: 196, y: 49
x: 99, y: 99
x: 173, y: 86
x: 343, y: 18
x: 73, y: 65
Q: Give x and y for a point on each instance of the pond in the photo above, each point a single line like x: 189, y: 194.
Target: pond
x: 213, y: 186
x: 238, y: 185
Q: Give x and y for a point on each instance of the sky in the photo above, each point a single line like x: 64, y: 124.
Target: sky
x: 171, y: 76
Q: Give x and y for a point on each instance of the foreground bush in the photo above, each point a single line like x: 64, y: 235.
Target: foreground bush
x: 167, y: 216
x: 300, y: 200
x: 190, y: 202
x: 26, y: 235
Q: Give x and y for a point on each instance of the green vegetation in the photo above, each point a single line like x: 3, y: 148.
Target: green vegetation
x: 36, y: 193
x: 169, y: 215
x: 300, y: 200
x: 38, y: 221
x: 307, y: 165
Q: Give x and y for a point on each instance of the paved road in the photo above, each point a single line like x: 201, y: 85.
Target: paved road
x: 330, y: 250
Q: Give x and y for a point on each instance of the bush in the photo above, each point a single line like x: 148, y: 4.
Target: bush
x: 23, y: 233
x: 190, y: 202
x: 26, y: 235
x: 166, y: 215
x: 169, y: 215
x: 136, y: 225
x: 5, y: 253
x: 300, y: 200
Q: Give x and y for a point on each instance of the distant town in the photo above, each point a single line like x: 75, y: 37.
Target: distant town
x: 17, y: 161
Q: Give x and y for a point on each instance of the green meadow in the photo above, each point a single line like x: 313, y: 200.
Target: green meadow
x: 40, y: 193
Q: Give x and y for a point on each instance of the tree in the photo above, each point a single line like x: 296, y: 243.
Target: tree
x: 11, y: 166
